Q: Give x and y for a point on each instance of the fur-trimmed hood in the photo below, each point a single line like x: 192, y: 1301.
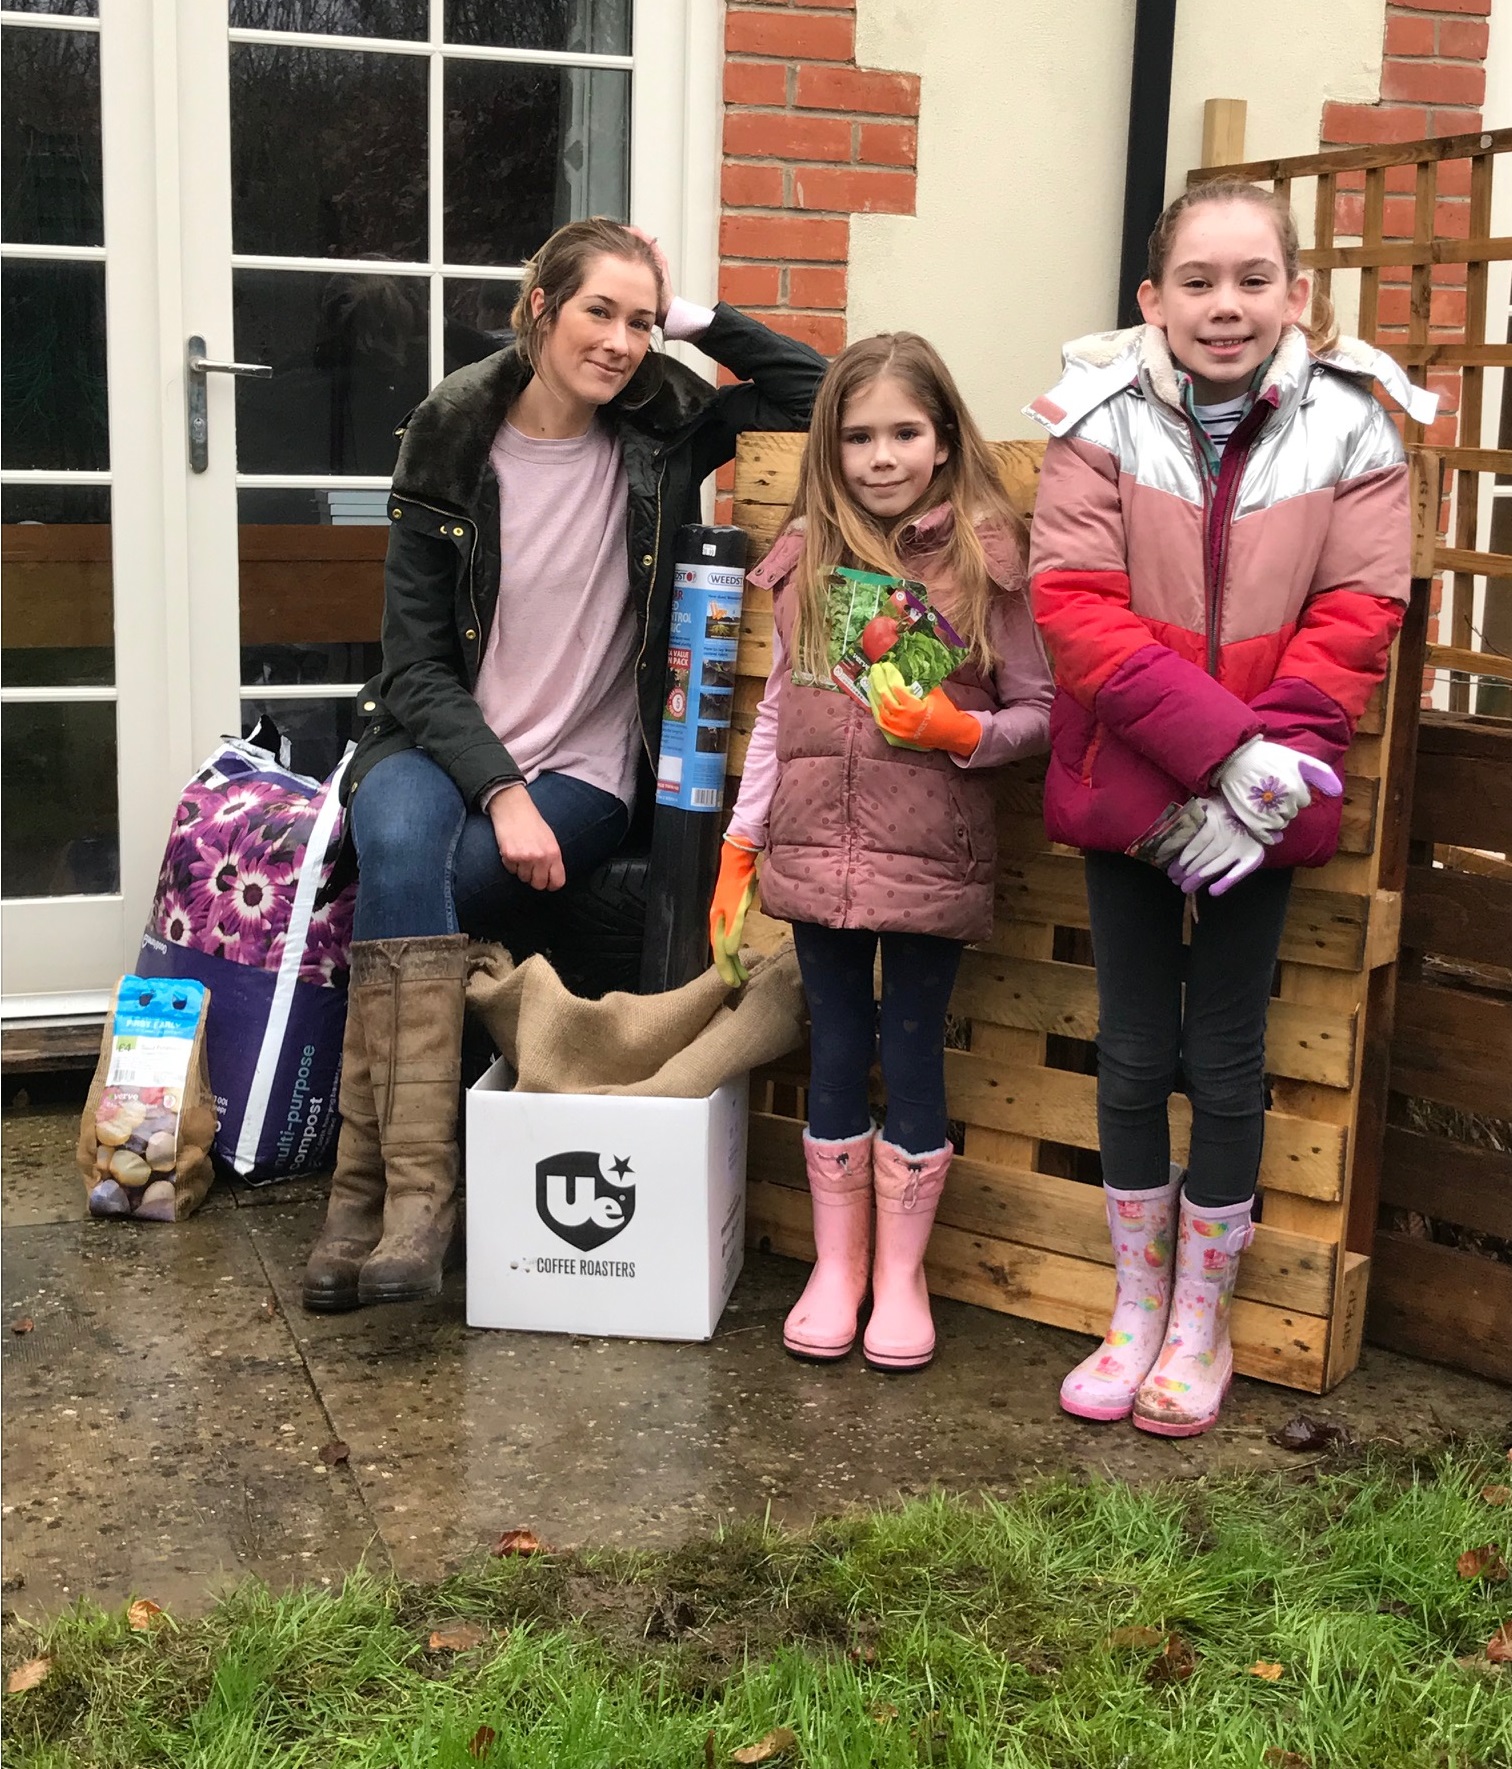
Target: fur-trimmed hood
x: 1104, y: 363
x: 446, y: 439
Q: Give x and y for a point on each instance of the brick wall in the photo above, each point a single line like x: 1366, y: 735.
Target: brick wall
x: 810, y: 139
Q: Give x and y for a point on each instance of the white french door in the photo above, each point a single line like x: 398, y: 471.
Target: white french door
x: 343, y: 193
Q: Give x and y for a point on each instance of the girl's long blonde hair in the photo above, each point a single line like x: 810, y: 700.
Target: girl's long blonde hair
x: 837, y: 531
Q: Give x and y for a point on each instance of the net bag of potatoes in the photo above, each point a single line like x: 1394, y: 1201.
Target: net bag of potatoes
x: 144, y: 1139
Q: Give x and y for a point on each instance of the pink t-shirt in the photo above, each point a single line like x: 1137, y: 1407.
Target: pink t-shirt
x: 557, y: 683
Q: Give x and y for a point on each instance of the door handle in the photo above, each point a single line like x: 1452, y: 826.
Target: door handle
x: 199, y: 365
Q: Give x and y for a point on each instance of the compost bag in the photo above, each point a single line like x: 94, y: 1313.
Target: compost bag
x: 244, y: 905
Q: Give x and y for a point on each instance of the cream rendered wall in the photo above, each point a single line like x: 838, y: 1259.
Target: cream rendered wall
x: 1014, y: 246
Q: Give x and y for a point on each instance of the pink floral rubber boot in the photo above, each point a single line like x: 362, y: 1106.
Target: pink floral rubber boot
x: 1143, y: 1230
x: 1182, y: 1394
x: 900, y: 1334
x: 821, y: 1325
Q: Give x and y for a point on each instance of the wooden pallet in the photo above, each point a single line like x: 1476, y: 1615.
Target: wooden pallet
x: 1021, y: 1225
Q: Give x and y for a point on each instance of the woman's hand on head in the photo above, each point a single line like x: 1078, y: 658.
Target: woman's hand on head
x: 663, y: 272
x: 526, y: 845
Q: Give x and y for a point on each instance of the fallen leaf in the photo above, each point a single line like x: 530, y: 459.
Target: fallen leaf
x: 1175, y: 1664
x: 1135, y: 1636
x: 27, y: 1676
x: 777, y: 1743
x: 1262, y: 1668
x: 1276, y: 1758
x: 24, y: 1325
x: 1482, y: 1563
x: 884, y: 1713
x: 335, y: 1455
x: 481, y: 1742
x: 516, y: 1541
x: 1499, y: 1646
x: 267, y: 1309
x: 709, y: 1749
x: 142, y: 1614
x: 1496, y: 1495
x: 1302, y: 1432
x: 459, y: 1637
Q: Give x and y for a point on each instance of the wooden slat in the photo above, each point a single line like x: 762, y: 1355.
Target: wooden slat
x: 1354, y: 159
x: 1370, y: 277
x: 1418, y: 255
x: 1471, y: 663
x: 1223, y: 123
x: 1448, y: 1181
x: 36, y: 1049
x: 1455, y: 356
x: 1301, y: 1155
x: 1478, y: 460
x: 1053, y: 997
x: 1473, y: 560
x: 1463, y: 791
x: 1439, y: 1303
x: 1457, y: 914
x: 1453, y: 1047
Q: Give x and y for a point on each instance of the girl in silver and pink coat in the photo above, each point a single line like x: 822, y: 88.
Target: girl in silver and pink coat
x: 878, y: 826
x: 1220, y: 564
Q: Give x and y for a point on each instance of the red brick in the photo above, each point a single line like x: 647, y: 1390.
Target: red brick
x: 1442, y: 433
x: 750, y: 285
x: 800, y: 36
x: 724, y: 477
x: 858, y: 90
x: 811, y: 239
x: 825, y: 331
x: 755, y: 82
x: 1371, y: 124
x: 819, y: 5
x: 1454, y: 178
x: 760, y: 136
x: 1463, y: 39
x: 1453, y: 122
x: 1448, y: 308
x: 889, y: 144
x: 1406, y: 35
x: 1433, y: 82
x: 724, y: 515
x: 1393, y: 307
x: 1447, y: 386
x: 860, y: 193
x: 751, y: 187
x: 817, y: 288
x: 1483, y: 7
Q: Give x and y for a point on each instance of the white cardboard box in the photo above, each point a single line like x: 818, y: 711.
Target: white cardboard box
x: 603, y: 1213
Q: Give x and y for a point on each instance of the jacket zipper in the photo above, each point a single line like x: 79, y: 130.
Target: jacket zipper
x: 1217, y: 515
x: 640, y: 656
x: 472, y: 548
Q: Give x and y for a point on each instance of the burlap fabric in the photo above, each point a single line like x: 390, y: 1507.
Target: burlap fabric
x: 679, y: 1045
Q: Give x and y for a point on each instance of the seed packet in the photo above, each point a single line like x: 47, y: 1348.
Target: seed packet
x: 144, y: 1140
x: 872, y: 616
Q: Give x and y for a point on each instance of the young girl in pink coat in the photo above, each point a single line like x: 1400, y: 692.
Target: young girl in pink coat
x: 879, y: 825
x: 1220, y: 563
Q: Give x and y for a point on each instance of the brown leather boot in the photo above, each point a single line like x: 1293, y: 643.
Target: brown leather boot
x: 354, y: 1215
x: 414, y: 1041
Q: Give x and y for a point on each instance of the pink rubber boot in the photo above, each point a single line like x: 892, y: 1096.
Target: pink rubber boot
x: 821, y: 1325
x: 1142, y: 1226
x: 1182, y: 1394
x: 900, y: 1334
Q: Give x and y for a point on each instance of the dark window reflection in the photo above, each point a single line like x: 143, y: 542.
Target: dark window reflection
x: 477, y: 318
x: 328, y: 155
x: 407, y: 19
x: 53, y: 411
x: 56, y: 608
x: 528, y: 148
x: 50, y: 189
x: 591, y: 27
x: 349, y: 362
x: 59, y: 820
x: 60, y: 8
x: 317, y: 730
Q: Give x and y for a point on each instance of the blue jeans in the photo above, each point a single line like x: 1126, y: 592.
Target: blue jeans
x: 428, y: 865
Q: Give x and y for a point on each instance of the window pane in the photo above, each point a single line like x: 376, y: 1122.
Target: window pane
x: 317, y: 730
x: 56, y: 612
x: 311, y: 585
x: 60, y: 799
x: 593, y: 27
x: 528, y: 148
x: 52, y: 407
x: 50, y: 138
x: 400, y: 19
x: 327, y: 153
x: 477, y: 318
x: 349, y: 362
x: 62, y: 8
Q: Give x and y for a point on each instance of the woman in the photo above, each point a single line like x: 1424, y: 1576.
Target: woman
x: 527, y: 594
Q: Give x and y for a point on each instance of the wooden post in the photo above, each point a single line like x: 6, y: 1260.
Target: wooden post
x: 1223, y: 122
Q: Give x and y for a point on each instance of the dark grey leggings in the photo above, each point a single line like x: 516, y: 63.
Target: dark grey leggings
x: 1213, y: 1044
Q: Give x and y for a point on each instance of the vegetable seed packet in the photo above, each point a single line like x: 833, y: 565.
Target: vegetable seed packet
x: 873, y: 616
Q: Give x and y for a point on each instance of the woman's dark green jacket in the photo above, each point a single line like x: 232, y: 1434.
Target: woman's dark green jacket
x: 441, y: 577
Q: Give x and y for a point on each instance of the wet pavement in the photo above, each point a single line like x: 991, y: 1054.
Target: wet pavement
x: 165, y: 1414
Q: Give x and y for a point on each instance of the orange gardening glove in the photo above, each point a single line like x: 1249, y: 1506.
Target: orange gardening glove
x: 734, y: 893
x: 935, y: 722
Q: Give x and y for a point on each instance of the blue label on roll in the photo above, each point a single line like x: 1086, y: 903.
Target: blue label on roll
x: 695, y: 739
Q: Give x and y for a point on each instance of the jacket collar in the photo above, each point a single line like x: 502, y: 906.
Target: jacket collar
x: 445, y: 441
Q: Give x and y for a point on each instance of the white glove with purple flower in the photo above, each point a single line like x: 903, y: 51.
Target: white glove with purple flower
x: 1221, y: 852
x: 1266, y: 784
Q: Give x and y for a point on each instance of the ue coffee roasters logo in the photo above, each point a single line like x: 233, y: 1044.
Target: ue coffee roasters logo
x: 576, y: 1201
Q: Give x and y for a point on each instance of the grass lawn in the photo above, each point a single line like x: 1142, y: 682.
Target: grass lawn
x: 1322, y: 1620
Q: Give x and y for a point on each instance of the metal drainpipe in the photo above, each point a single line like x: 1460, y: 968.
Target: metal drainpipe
x: 1145, y: 168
